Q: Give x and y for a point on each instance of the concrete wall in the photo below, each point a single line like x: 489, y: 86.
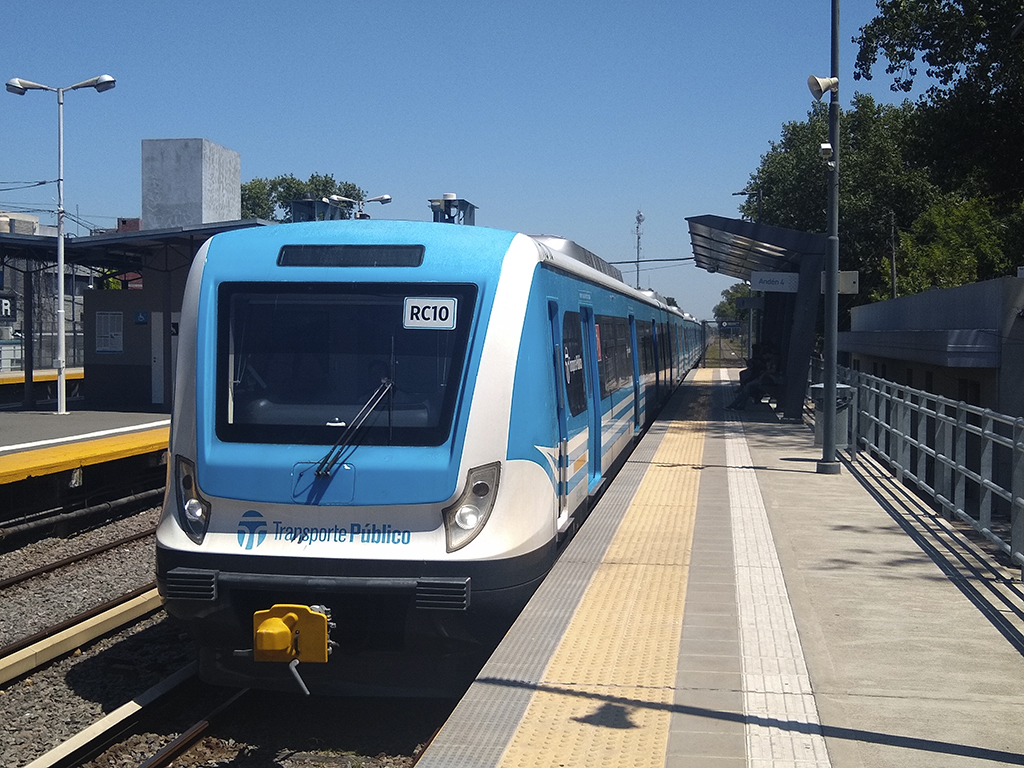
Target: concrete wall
x: 978, y: 305
x: 896, y: 340
x: 188, y: 182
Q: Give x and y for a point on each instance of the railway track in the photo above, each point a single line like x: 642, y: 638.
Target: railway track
x: 63, y: 691
x: 72, y: 559
x: 143, y: 732
x: 24, y: 656
x: 115, y: 727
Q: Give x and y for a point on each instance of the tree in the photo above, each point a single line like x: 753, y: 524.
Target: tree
x: 726, y: 310
x: 956, y: 241
x: 267, y: 198
x: 257, y: 200
x: 972, y: 129
x: 884, y: 183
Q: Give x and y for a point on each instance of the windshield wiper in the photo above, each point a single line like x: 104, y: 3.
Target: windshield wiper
x: 328, y: 462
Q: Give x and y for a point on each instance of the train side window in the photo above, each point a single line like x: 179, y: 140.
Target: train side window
x: 572, y: 343
x: 615, y: 365
x: 645, y: 340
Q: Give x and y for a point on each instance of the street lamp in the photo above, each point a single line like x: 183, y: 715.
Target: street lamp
x: 19, y: 87
x: 338, y: 199
x: 819, y: 85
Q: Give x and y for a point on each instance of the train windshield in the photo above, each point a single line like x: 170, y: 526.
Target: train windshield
x: 296, y: 362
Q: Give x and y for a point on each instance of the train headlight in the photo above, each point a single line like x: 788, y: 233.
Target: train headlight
x: 464, y: 519
x: 467, y: 517
x: 193, y: 509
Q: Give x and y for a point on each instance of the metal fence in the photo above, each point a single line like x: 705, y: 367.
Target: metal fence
x: 968, y: 461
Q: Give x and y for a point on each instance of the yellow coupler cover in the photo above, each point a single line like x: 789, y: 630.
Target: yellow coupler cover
x: 287, y: 632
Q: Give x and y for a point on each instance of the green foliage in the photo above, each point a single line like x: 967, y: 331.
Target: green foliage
x: 971, y: 126
x: 257, y: 201
x: 883, y: 183
x: 791, y: 178
x: 267, y: 198
x: 968, y: 40
x: 726, y: 308
x: 954, y: 242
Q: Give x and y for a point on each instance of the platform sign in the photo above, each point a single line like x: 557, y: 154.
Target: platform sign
x: 849, y: 282
x: 777, y: 282
x: 8, y: 307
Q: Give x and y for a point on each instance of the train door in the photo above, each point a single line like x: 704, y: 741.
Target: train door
x: 576, y: 413
x: 591, y: 346
x: 659, y: 362
x: 563, y: 378
x: 636, y: 373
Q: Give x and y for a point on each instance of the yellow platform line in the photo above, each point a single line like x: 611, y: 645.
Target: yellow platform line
x: 40, y: 375
x: 606, y: 696
x: 46, y: 461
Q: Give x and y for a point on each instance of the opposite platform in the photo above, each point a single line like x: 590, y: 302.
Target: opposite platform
x: 725, y: 605
x: 37, y: 443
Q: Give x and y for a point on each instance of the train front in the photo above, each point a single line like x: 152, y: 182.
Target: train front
x: 340, y: 513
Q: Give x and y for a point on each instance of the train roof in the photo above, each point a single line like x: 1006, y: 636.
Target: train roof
x: 580, y: 254
x: 252, y: 254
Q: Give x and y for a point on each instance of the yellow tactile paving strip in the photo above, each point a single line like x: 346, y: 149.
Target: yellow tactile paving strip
x: 46, y: 461
x: 606, y: 696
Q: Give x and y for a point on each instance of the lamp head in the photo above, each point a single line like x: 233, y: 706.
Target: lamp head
x: 819, y: 85
x: 14, y: 86
x: 104, y: 83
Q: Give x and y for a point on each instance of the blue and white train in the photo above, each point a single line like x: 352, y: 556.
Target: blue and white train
x: 383, y: 432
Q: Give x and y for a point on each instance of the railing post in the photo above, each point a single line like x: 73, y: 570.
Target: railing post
x: 1017, y: 491
x: 921, y: 417
x: 901, y: 421
x: 985, y: 470
x: 959, y: 482
x: 855, y: 382
x: 946, y: 446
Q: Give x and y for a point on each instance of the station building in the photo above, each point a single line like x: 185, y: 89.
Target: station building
x: 124, y: 339
x: 964, y: 343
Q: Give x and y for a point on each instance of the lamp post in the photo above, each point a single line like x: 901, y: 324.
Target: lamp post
x: 828, y: 464
x: 19, y: 87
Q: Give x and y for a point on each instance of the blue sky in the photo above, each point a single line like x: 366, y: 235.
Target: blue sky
x: 552, y: 117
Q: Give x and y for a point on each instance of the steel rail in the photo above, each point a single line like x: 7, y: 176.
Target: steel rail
x: 169, y: 752
x: 11, y: 581
x: 93, y: 740
x: 25, y: 655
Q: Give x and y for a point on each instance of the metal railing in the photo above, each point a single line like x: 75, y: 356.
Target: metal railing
x: 968, y: 461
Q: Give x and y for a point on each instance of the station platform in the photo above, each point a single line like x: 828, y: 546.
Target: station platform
x: 725, y: 605
x: 39, y: 443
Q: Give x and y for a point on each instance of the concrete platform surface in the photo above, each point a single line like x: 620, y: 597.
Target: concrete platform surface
x: 28, y: 430
x: 827, y: 620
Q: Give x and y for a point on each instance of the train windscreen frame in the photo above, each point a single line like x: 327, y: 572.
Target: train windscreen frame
x: 297, y: 362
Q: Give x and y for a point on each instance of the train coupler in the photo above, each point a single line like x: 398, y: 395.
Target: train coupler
x: 292, y: 632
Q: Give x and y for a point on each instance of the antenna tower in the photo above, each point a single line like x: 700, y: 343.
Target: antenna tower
x: 639, y: 231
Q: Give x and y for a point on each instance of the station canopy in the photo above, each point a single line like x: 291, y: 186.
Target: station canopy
x: 736, y: 248
x: 155, y: 249
x: 787, y: 320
